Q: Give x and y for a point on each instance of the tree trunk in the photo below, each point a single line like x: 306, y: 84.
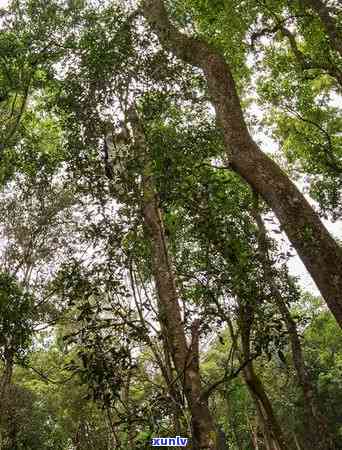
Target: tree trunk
x: 319, y: 252
x: 317, y: 436
x: 269, y: 425
x: 221, y: 440
x: 126, y: 400
x: 113, y: 441
x: 298, y: 447
x: 77, y: 439
x: 274, y: 438
x: 5, y: 380
x: 254, y: 433
x: 175, y: 392
x: 185, y: 357
x: 164, y: 361
x: 7, y: 406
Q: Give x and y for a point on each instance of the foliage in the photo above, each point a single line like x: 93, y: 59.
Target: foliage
x: 86, y: 358
x: 16, y: 313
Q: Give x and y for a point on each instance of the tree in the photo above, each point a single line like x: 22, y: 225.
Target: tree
x: 296, y: 216
x: 138, y: 234
x: 16, y: 326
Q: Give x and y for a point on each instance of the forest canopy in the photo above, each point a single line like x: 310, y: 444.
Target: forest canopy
x: 162, y: 163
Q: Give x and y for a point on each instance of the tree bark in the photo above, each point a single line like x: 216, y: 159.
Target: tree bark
x: 319, y: 252
x: 113, y: 441
x: 185, y: 358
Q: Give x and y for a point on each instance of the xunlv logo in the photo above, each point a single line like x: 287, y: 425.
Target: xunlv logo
x: 169, y: 442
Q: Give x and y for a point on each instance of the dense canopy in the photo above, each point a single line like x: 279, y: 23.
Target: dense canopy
x: 164, y: 165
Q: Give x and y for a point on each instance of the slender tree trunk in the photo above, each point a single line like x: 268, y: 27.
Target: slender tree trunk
x: 175, y: 393
x: 319, y: 252
x: 317, y: 435
x: 113, y: 441
x: 185, y: 357
x: 77, y: 439
x: 255, y: 437
x: 254, y: 433
x: 5, y: 380
x: 298, y: 447
x: 273, y: 433
x: 163, y: 359
x: 267, y: 419
x: 221, y: 440
x: 126, y: 399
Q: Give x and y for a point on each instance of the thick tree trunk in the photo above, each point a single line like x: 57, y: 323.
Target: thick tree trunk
x: 185, y: 357
x: 7, y: 406
x: 319, y: 252
x: 317, y: 434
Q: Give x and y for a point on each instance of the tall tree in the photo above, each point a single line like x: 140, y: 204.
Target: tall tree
x: 302, y: 225
x: 185, y: 356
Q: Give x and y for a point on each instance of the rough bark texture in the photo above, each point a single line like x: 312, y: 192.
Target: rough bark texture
x: 185, y: 357
x: 319, y: 252
x: 329, y: 23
